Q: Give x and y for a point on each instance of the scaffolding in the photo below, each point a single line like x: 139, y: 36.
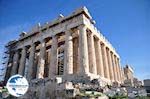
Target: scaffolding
x: 3, y: 64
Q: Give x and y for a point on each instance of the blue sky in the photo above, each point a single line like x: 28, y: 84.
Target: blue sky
x: 125, y: 23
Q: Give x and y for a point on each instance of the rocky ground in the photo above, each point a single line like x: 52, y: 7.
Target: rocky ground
x: 49, y: 89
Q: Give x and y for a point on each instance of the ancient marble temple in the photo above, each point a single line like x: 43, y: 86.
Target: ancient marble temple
x: 69, y: 47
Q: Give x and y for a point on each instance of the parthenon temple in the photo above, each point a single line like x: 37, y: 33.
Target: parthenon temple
x: 68, y: 47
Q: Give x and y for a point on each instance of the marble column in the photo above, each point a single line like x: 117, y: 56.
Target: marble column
x: 91, y: 53
x: 68, y: 61
x: 9, y: 66
x: 22, y: 61
x: 118, y: 65
x: 75, y: 55
x: 41, y: 62
x: 122, y: 75
x: 31, y: 62
x: 99, y: 59
x: 110, y: 65
x: 112, y: 62
x: 83, y: 48
x: 15, y: 63
x: 116, y: 68
x: 54, y: 60
x: 120, y: 71
x: 105, y: 62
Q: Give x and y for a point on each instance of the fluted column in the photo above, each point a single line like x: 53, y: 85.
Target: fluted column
x: 54, y: 53
x: 22, y: 61
x: 119, y: 72
x: 110, y: 65
x: 91, y: 53
x: 75, y: 55
x: 122, y: 75
x: 113, y: 64
x: 15, y: 63
x: 68, y: 61
x: 116, y: 68
x: 31, y: 62
x: 41, y: 62
x: 9, y: 66
x: 105, y: 62
x: 83, y: 48
x: 99, y: 59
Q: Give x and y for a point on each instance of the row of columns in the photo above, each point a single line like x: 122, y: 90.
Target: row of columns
x: 41, y: 62
x: 19, y: 64
x: 94, y: 57
x: 99, y: 59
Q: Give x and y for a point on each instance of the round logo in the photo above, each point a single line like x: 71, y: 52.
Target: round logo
x: 17, y: 85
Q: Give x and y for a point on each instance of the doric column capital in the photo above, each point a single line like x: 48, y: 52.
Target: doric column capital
x: 69, y: 33
x: 82, y: 26
x: 23, y: 48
